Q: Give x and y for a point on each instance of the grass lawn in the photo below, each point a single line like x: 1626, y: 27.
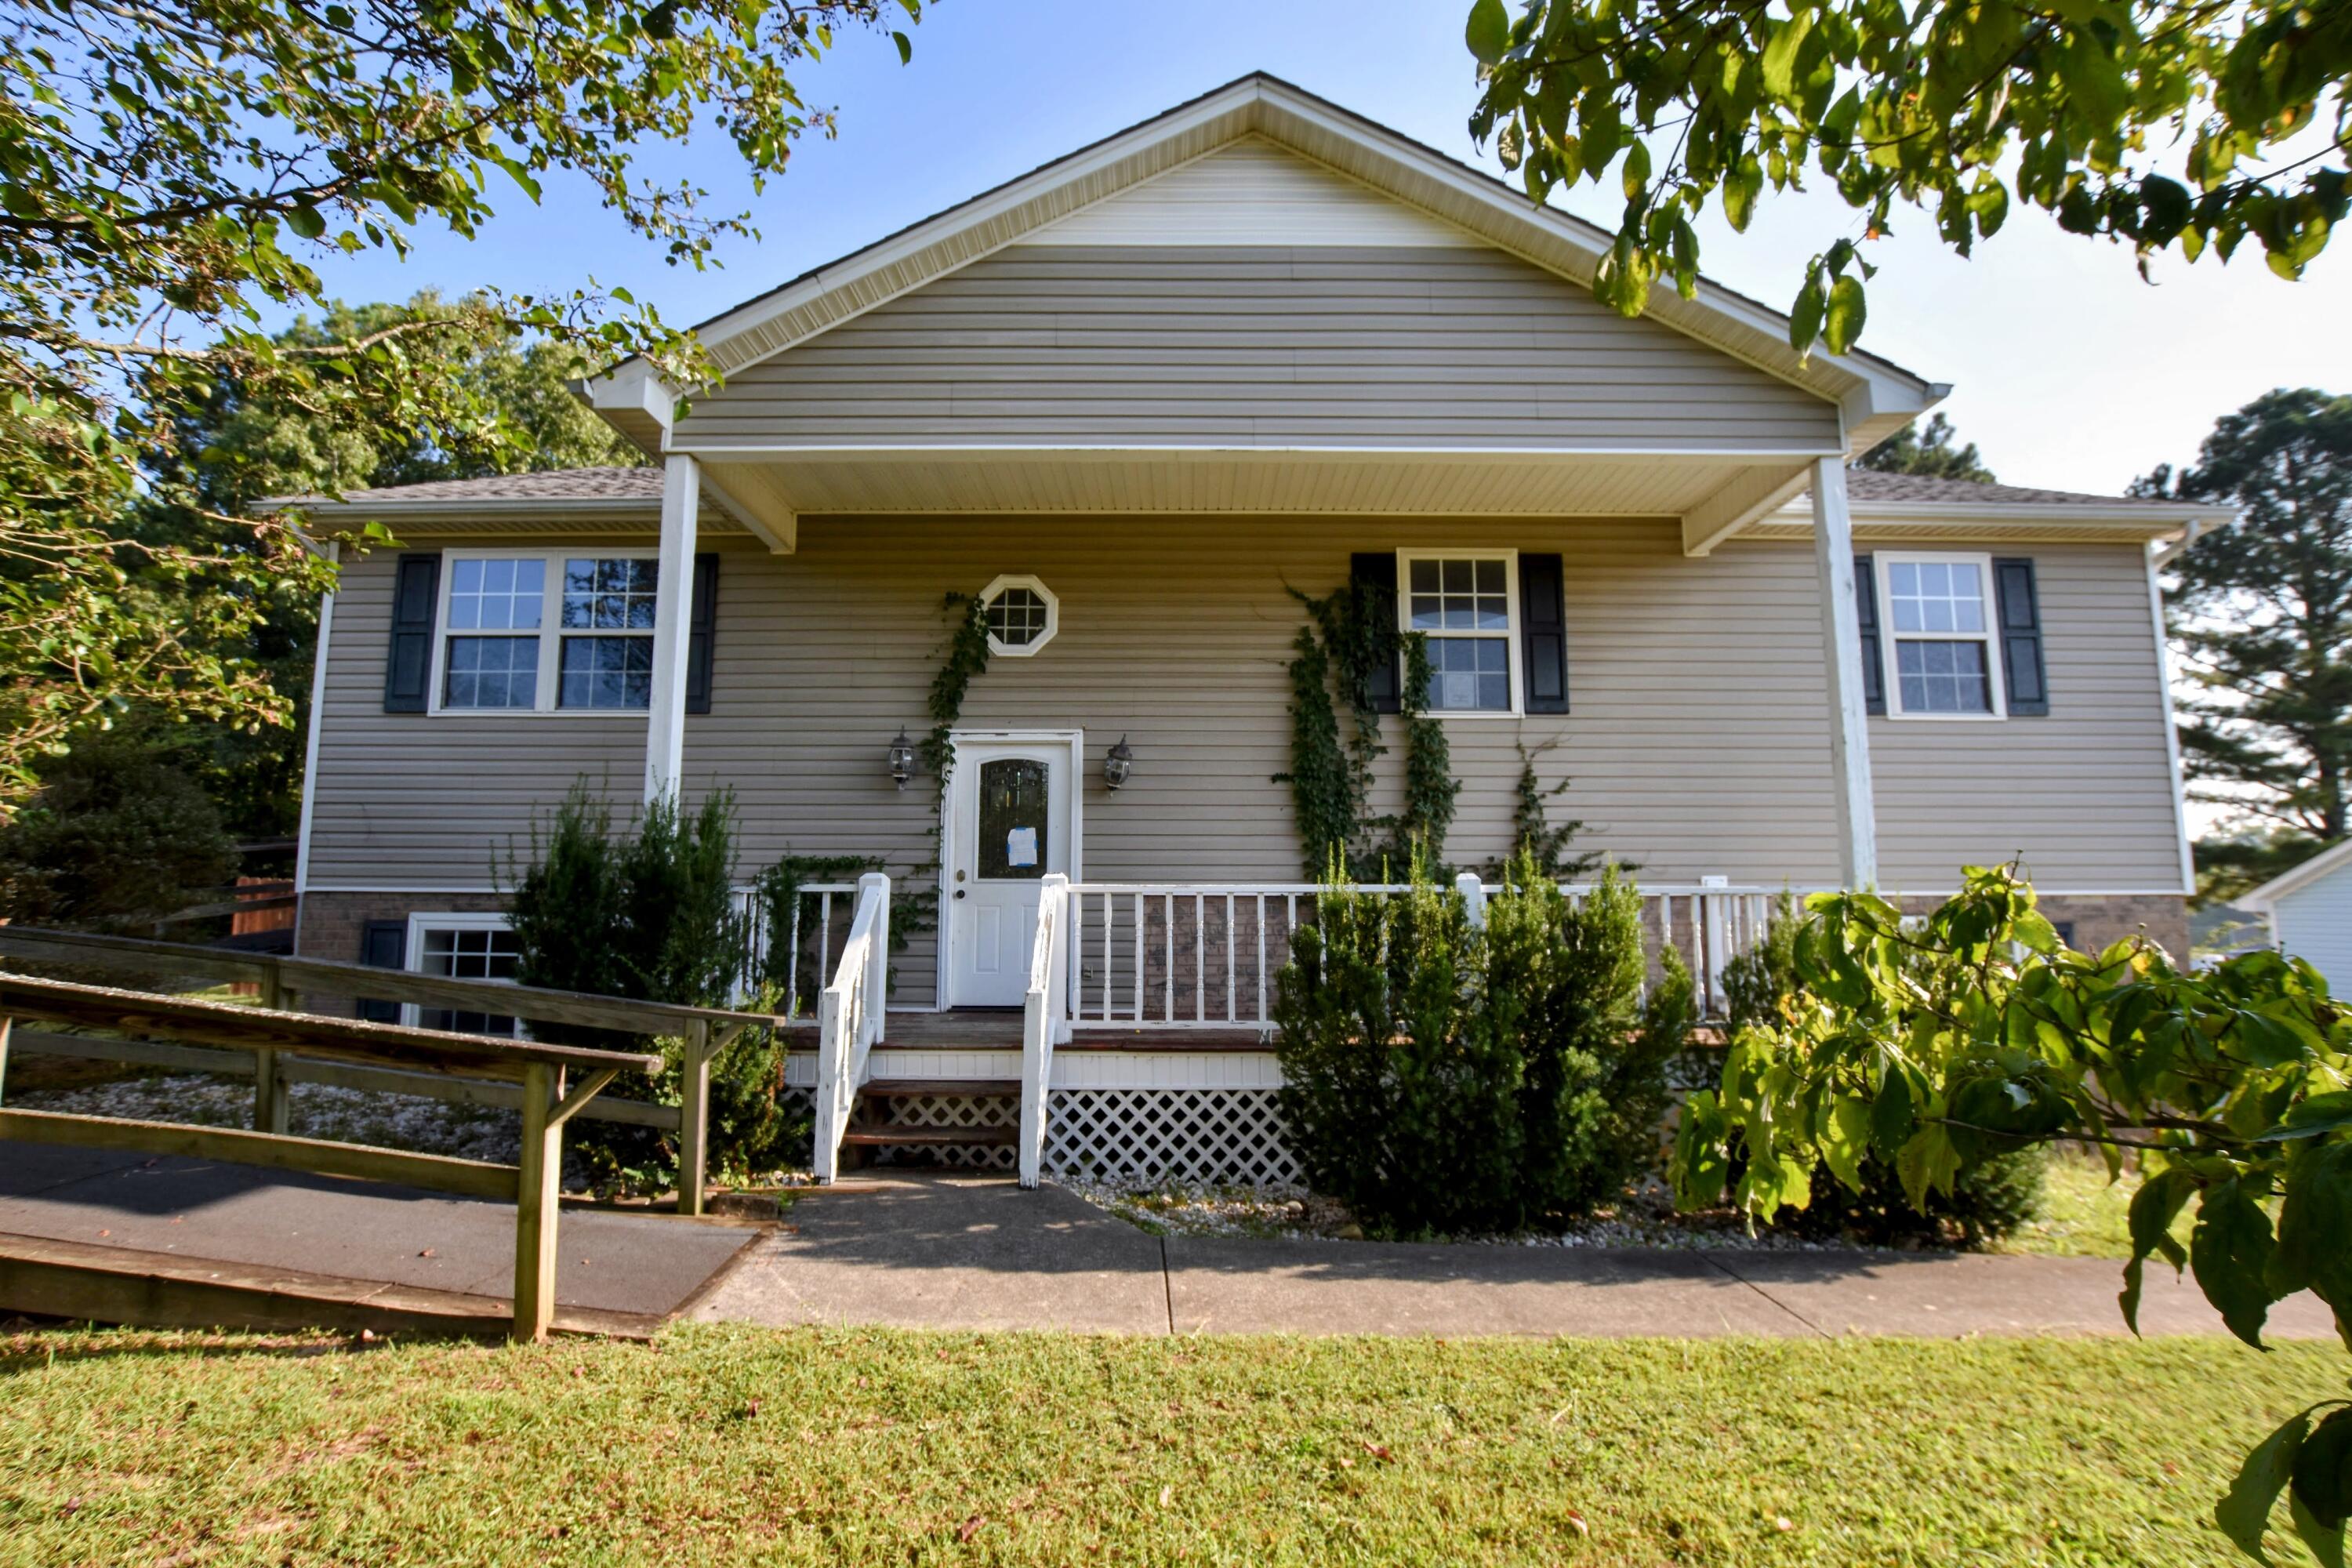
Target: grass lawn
x: 742, y: 1446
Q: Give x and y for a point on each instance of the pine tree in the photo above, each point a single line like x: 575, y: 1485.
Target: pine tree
x: 1929, y: 452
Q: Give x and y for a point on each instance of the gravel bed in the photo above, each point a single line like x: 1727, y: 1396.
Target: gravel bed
x: 1293, y: 1214
x: 313, y: 1111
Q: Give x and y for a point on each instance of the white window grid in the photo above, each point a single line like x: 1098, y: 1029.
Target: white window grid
x: 463, y: 946
x: 1940, y: 609
x: 1017, y: 603
x: 479, y: 583
x: 1472, y: 608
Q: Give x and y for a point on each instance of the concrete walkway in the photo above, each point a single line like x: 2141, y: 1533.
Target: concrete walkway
x: 978, y: 1253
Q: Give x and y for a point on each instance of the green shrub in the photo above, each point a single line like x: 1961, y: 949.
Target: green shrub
x: 1989, y: 1200
x: 1440, y: 1078
x: 649, y: 914
x: 117, y: 837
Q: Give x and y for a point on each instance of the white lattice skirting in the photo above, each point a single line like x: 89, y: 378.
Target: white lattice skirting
x: 1218, y: 1136
x: 1227, y: 1136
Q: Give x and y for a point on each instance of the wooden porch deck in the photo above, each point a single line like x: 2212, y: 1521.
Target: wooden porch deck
x: 999, y: 1029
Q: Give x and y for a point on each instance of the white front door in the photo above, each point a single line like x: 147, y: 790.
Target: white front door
x: 1009, y: 824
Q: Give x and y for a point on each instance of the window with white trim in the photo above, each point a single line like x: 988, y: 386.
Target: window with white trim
x: 1023, y: 615
x: 1466, y: 607
x: 544, y: 633
x: 462, y: 947
x: 1937, y: 613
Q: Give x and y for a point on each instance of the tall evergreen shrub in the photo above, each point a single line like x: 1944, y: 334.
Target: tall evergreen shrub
x: 1442, y: 1078
x: 648, y: 913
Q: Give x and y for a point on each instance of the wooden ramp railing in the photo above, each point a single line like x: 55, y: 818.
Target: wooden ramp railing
x: 286, y: 982
x: 553, y: 1084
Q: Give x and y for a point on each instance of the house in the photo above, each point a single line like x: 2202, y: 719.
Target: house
x: 2309, y: 909
x: 1134, y: 400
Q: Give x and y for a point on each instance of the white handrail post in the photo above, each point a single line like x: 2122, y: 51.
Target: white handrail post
x: 1711, y: 904
x: 1041, y: 1024
x: 827, y: 1132
x: 1473, y: 898
x: 874, y: 885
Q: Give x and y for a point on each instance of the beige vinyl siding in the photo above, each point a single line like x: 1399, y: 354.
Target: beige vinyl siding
x: 1411, y: 347
x: 2084, y: 795
x: 1699, y: 743
x: 1250, y: 193
x: 424, y: 800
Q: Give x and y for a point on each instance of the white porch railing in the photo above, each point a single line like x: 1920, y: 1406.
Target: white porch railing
x: 1204, y: 956
x: 1045, y: 1022
x: 849, y: 1018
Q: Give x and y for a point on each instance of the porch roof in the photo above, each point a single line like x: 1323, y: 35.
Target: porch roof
x: 628, y: 501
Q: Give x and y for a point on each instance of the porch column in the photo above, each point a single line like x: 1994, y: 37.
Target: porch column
x: 673, y: 606
x: 1841, y: 646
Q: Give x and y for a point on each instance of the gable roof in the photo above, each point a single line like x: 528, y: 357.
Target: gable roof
x: 1876, y: 397
x: 2326, y: 863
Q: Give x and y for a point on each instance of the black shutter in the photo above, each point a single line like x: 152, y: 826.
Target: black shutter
x: 2019, y: 603
x: 1866, y: 616
x: 384, y: 944
x: 700, y: 629
x: 1378, y: 569
x: 408, y: 666
x: 1543, y: 632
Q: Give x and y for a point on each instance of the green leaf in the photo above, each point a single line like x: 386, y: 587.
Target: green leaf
x: 306, y: 221
x: 2319, y: 1115
x: 1843, y: 324
x: 2152, y: 1209
x: 2322, y: 1477
x: 1805, y: 316
x: 906, y: 47
x: 2245, y: 1511
x: 1741, y: 184
x: 1489, y: 32
x: 1890, y: 1116
x: 2325, y: 1543
x: 2314, y: 1227
x: 1780, y: 55
x: 2229, y: 1253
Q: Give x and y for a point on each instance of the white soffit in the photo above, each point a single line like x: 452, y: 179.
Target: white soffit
x: 1250, y: 192
x: 955, y: 480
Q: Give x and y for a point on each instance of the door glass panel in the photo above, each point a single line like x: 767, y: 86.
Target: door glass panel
x: 1013, y: 819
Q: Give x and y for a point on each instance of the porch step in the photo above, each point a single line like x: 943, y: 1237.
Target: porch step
x: 931, y: 1137
x: 907, y: 1087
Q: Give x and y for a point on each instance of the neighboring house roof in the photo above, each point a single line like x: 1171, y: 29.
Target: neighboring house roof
x: 1876, y: 396
x: 2326, y: 863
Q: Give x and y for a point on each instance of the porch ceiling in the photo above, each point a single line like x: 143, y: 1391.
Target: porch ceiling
x: 780, y: 486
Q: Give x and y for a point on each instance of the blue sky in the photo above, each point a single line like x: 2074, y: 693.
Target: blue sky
x: 2067, y: 370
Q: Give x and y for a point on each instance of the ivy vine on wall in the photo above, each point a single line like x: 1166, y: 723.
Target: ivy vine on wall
x: 1349, y: 638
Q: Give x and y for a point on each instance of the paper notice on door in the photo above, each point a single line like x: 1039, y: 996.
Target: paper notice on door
x: 1020, y: 847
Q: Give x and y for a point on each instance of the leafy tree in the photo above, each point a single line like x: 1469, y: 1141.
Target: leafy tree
x: 168, y: 176
x: 1929, y: 452
x: 1939, y: 1047
x: 2158, y: 123
x: 239, y: 445
x: 116, y: 837
x: 2263, y: 610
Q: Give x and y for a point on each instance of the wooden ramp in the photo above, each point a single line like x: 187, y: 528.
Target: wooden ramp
x: 114, y: 1236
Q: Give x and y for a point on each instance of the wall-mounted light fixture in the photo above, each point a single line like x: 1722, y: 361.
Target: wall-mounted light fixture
x: 902, y: 759
x: 1119, y: 765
